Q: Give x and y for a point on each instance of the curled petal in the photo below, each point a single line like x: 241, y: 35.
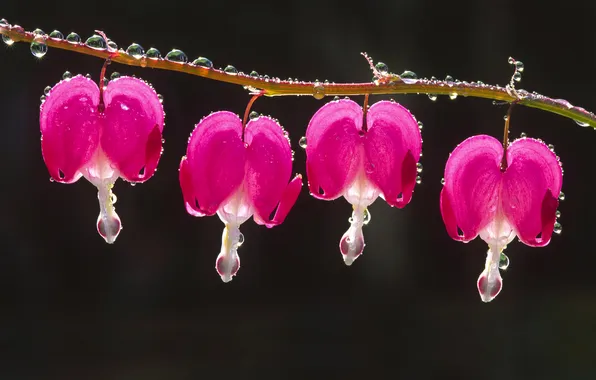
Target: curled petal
x: 392, y: 147
x: 214, y: 164
x: 134, y: 119
x: 69, y: 127
x: 531, y: 184
x: 334, y: 149
x: 268, y: 170
x: 469, y: 199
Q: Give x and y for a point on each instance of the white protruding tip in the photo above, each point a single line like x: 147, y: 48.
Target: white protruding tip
x: 352, y: 243
x: 228, y: 261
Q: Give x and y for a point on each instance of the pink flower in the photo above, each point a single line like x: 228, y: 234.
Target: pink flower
x: 102, y: 139
x: 237, y: 175
x: 361, y: 160
x: 481, y: 198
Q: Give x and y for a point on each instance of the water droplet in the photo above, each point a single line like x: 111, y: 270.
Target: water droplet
x: 112, y: 45
x: 382, y: 68
x: 38, y: 32
x: 523, y: 135
x: 558, y: 214
x: 231, y: 70
x: 581, y: 123
x: 42, y: 98
x: 253, y: 115
x: 408, y: 75
x: 318, y: 91
x: 366, y: 217
x: 67, y: 75
x: 442, y: 181
x: 39, y: 47
x: 153, y: 53
x: 240, y: 240
x: 160, y: 97
x: 420, y: 125
x: 115, y: 75
x: 557, y: 228
x: 302, y: 142
x: 519, y: 66
x: 517, y: 76
x: 432, y: 97
x: 453, y: 95
x: 7, y: 40
x: 176, y: 55
x: 73, y: 38
x: 551, y: 147
x: 511, y: 61
x: 418, y: 180
x: 561, y: 196
x: 47, y: 90
x: 419, y: 167
x: 503, y: 261
x: 56, y: 34
x: 135, y: 50
x: 88, y: 76
x: 96, y: 42
x: 3, y: 22
x: 449, y: 79
x: 254, y: 74
x: 505, y: 117
x: 203, y: 62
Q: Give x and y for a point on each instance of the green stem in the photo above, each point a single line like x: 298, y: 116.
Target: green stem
x: 390, y: 84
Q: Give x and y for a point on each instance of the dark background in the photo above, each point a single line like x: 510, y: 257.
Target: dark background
x: 151, y: 306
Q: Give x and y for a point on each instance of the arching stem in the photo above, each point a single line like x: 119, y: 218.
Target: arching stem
x: 102, y: 74
x: 364, y: 112
x: 506, y: 137
x: 247, y: 111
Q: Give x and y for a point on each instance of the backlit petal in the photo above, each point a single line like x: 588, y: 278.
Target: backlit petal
x: 392, y: 148
x: 131, y: 136
x: 531, y: 185
x: 214, y: 165
x: 334, y: 150
x: 469, y: 198
x: 69, y: 127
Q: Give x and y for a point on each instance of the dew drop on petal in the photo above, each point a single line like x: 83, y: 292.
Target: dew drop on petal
x: 557, y: 228
x: 153, y: 53
x: 366, y: 217
x: 240, y: 240
x: 419, y: 167
x: 253, y: 115
x: 561, y: 196
x: 73, y: 38
x: 254, y: 74
x: 449, y: 79
x: 581, y: 123
x: 523, y: 135
x: 442, y: 181
x: 3, y: 22
x: 115, y: 75
x: 418, y: 180
x: 420, y: 125
x: 47, y: 90
x: 67, y: 75
x: 558, y: 214
x: 302, y: 142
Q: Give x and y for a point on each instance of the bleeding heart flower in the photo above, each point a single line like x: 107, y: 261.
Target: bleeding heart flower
x: 102, y: 139
x: 480, y: 197
x: 237, y: 175
x: 361, y: 160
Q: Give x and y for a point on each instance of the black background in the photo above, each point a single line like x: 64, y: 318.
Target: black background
x: 151, y: 306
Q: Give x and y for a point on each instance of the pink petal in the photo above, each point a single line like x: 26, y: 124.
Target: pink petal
x: 392, y: 147
x: 268, y: 170
x: 69, y: 127
x: 531, y: 185
x: 469, y: 198
x: 333, y: 151
x: 131, y: 136
x: 214, y: 164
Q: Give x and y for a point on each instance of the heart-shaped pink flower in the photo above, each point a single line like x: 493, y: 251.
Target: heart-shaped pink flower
x: 102, y: 139
x: 481, y: 198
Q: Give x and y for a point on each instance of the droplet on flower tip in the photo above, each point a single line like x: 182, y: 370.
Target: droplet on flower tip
x: 176, y: 55
x: 153, y: 53
x: 432, y: 97
x: 57, y: 35
x: 115, y: 75
x: 558, y: 214
x: 253, y: 115
x: 39, y: 48
x: 382, y: 68
x: 561, y: 196
x: 135, y: 50
x: 96, y: 42
x: 109, y: 227
x: 302, y: 142
x: 230, y: 70
x: 67, y: 75
x: 557, y: 228
x: 88, y: 76
x: 503, y: 261
x: 73, y: 38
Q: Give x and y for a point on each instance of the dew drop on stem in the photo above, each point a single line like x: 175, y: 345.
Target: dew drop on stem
x: 73, y: 38
x: 176, y: 55
x: 203, y: 62
x: 153, y: 53
x: 230, y: 70
x: 57, y: 35
x: 135, y: 50
x: 96, y: 42
x: 39, y: 48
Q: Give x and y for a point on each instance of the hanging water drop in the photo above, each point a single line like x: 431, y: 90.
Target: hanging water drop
x: 67, y: 75
x: 73, y: 38
x: 203, y: 62
x: 581, y: 123
x: 561, y: 196
x: 318, y: 91
x: 503, y: 261
x: 39, y: 47
x: 366, y: 216
x: 517, y: 76
x: 382, y: 68
x: 176, y: 55
x: 153, y: 53
x: 135, y: 50
x: 432, y: 97
x: 519, y: 66
x: 302, y: 142
x: 557, y: 228
x: 96, y: 42
x: 453, y: 95
x: 57, y: 35
x: 230, y: 70
x: 115, y: 75
x: 418, y: 180
x: 253, y: 115
x: 419, y: 167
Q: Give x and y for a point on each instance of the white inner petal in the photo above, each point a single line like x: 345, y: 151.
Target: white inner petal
x: 236, y: 209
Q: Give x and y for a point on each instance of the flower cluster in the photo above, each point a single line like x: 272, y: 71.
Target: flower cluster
x: 238, y: 169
